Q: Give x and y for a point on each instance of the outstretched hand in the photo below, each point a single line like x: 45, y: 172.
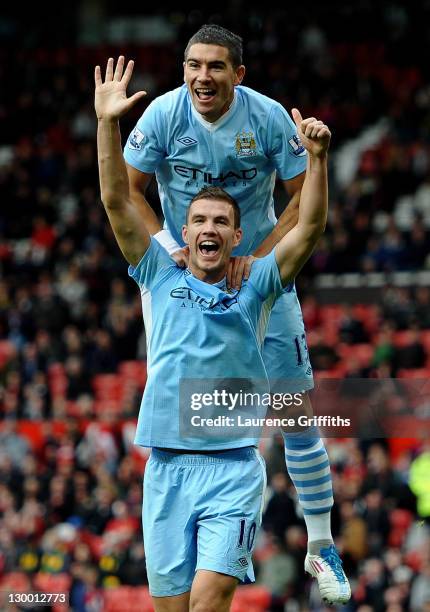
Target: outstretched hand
x: 314, y: 134
x: 111, y: 100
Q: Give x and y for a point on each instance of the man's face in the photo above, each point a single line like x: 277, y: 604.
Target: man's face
x: 210, y: 78
x: 211, y: 236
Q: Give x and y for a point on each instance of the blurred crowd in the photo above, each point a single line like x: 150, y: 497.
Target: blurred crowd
x: 70, y: 320
x: 70, y: 507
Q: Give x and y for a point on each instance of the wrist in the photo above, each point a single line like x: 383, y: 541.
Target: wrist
x: 108, y: 120
x: 316, y: 158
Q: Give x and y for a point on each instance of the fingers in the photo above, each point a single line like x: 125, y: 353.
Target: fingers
x: 249, y: 261
x: 181, y: 257
x: 297, y: 116
x: 238, y: 271
x: 119, y: 69
x: 97, y: 76
x: 310, y: 127
x: 238, y: 268
x: 118, y: 74
x: 136, y: 97
x: 128, y: 72
x: 109, y: 70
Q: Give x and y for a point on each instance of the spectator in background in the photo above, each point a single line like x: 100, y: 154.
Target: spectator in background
x: 101, y: 357
x: 78, y: 380
x: 280, y: 511
x: 322, y: 356
x: 353, y: 533
x: 12, y: 444
x: 351, y: 329
x: 377, y: 521
x: 383, y: 478
x: 48, y: 310
x: 418, y: 245
x: 73, y: 290
x: 397, y: 306
x: 412, y: 354
x: 419, y: 481
x: 421, y: 315
x: 420, y: 591
x: 384, y: 351
x: 279, y: 574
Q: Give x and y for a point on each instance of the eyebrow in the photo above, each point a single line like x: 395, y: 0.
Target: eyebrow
x: 212, y: 63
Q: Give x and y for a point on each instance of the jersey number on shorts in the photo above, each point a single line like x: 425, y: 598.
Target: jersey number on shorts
x: 251, y: 534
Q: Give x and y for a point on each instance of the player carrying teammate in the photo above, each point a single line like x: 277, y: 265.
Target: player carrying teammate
x: 213, y: 131
x: 202, y: 500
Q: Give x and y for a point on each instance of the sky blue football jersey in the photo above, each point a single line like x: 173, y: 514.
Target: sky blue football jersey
x: 240, y: 152
x: 196, y: 330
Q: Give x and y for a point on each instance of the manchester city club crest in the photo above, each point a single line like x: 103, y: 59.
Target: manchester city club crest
x: 245, y: 144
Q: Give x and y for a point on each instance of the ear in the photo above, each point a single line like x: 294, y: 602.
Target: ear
x: 185, y: 234
x: 237, y: 236
x: 183, y: 64
x: 239, y: 76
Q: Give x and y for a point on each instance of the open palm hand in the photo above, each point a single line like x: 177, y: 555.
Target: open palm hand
x: 111, y: 100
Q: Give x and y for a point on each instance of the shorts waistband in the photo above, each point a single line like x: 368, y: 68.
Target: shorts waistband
x: 203, y: 458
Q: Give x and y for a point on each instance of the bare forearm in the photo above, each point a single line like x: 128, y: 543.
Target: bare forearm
x: 286, y: 222
x: 113, y: 176
x: 128, y: 227
x: 295, y: 248
x: 149, y: 217
x: 314, y: 196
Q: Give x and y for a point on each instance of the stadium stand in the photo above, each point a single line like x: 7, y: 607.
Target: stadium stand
x: 72, y: 345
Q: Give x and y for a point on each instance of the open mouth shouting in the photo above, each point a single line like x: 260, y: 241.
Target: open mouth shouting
x: 205, y: 94
x: 209, y: 249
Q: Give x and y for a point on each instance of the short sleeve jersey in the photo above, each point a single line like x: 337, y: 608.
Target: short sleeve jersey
x: 241, y: 152
x: 198, y: 330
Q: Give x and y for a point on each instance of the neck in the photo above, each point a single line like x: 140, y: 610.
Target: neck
x: 225, y: 109
x: 211, y: 277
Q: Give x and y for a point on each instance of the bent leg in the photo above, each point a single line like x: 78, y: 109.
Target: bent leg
x: 212, y: 592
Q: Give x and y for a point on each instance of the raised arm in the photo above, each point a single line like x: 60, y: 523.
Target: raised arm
x: 295, y: 247
x: 111, y: 103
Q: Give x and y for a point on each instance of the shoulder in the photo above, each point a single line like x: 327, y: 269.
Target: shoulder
x: 246, y: 94
x: 171, y: 100
x: 155, y: 266
x: 264, y: 276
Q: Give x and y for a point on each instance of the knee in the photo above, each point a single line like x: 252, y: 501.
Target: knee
x: 206, y: 602
x: 200, y: 605
x: 204, y: 605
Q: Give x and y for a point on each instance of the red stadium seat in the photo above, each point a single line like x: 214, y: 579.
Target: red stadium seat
x: 425, y: 339
x: 107, y: 386
x: 400, y: 521
x: 111, y: 406
x: 15, y: 581
x: 401, y: 338
x: 363, y: 353
x: 251, y: 598
x: 52, y: 583
x: 369, y: 315
x: 130, y: 599
x: 417, y: 373
x: 134, y: 370
x: 6, y: 351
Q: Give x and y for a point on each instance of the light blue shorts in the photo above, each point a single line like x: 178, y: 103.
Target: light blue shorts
x: 201, y: 512
x: 285, y: 350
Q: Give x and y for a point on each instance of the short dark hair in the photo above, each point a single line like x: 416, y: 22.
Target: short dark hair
x: 212, y: 34
x: 217, y: 193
